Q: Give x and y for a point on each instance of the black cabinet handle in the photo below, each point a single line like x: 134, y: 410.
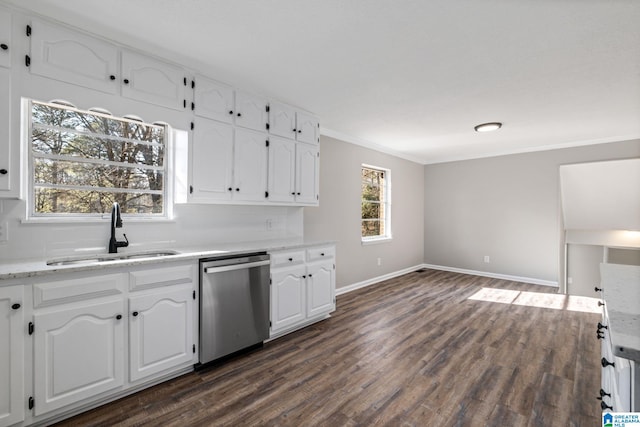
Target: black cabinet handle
x: 135, y: 314
x: 239, y: 114
x: 119, y: 316
x: 230, y: 189
x: 601, y: 326
x: 597, y: 289
x: 237, y: 189
x: 4, y: 46
x: 290, y: 259
x: 604, y: 362
x: 112, y: 77
x: 304, y: 277
x: 603, y: 394
x: 126, y: 81
x: 600, y: 335
x: 600, y: 303
x: 298, y: 194
x: 230, y: 111
x: 322, y: 254
x: 310, y: 275
x: 604, y: 406
x: 299, y: 131
x: 15, y: 306
x: 3, y: 171
x: 293, y: 193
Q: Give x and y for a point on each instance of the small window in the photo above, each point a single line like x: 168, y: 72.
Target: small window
x: 81, y: 162
x: 376, y: 203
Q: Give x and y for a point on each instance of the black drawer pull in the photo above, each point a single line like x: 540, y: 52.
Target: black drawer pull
x: 230, y: 111
x: 290, y: 259
x: 126, y: 81
x: 322, y: 254
x: 597, y: 289
x: 15, y: 306
x: 135, y: 314
x: 600, y: 303
x: 4, y: 46
x: 3, y: 171
x: 112, y: 77
x: 604, y: 362
x: 119, y: 316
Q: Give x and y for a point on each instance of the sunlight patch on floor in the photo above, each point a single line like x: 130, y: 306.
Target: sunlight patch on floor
x: 538, y: 299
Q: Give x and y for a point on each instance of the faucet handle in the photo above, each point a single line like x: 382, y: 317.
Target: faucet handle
x: 124, y: 244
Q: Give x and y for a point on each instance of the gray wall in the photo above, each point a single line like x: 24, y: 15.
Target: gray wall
x: 338, y: 216
x: 506, y: 207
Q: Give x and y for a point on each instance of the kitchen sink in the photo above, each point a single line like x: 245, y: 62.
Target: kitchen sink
x: 93, y: 259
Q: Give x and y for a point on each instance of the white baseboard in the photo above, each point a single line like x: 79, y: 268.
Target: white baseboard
x: 493, y: 275
x: 374, y: 280
x: 344, y: 289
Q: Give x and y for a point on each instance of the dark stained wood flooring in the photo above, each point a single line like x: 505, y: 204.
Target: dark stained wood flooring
x: 410, y: 351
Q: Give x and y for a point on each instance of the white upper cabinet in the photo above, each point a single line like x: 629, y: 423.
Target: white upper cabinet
x: 307, y: 174
x: 5, y: 38
x: 307, y: 128
x: 282, y: 161
x: 213, y: 100
x: 73, y: 57
x: 153, y: 81
x: 250, y: 166
x: 211, y: 161
x: 287, y: 122
x: 251, y: 111
x: 282, y: 120
x: 7, y: 175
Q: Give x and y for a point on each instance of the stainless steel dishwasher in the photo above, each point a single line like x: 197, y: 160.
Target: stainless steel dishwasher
x: 234, y: 304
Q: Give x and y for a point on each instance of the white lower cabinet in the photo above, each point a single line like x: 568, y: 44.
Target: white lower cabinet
x: 160, y: 331
x: 78, y: 353
x: 302, y: 287
x: 98, y: 336
x: 12, y: 337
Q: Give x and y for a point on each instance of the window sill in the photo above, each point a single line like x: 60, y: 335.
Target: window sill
x: 375, y: 241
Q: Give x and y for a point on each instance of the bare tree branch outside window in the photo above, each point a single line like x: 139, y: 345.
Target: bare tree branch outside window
x: 375, y: 202
x: 84, y: 161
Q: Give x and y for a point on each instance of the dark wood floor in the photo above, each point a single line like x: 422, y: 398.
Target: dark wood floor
x: 411, y: 351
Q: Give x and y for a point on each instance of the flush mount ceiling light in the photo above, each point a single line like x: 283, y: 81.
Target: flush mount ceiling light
x: 488, y: 127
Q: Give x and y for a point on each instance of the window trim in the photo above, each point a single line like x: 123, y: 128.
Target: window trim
x: 28, y: 182
x: 388, y: 236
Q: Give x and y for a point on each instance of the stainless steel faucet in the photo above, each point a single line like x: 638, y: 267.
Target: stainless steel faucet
x: 116, y: 222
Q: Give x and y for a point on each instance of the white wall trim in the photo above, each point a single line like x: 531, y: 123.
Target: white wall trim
x: 344, y: 289
x: 531, y: 280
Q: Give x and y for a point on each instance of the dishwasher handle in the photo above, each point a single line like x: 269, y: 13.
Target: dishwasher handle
x: 209, y: 270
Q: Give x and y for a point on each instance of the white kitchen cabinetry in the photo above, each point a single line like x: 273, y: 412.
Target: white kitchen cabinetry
x: 160, y: 331
x: 211, y: 161
x: 78, y: 353
x: 5, y: 38
x: 213, y: 100
x: 74, y: 57
x: 250, y: 166
x: 12, y: 400
x: 307, y: 174
x: 251, y: 111
x: 153, y: 81
x: 8, y: 174
x: 70, y: 56
x: 302, y: 287
x: 285, y: 121
x: 282, y: 160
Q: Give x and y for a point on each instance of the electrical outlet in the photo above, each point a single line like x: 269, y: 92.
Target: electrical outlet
x: 487, y: 259
x: 4, y: 231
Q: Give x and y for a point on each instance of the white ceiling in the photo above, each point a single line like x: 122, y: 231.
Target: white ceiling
x: 409, y: 77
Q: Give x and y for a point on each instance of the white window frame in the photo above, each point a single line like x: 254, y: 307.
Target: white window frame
x: 368, y: 240
x: 29, y: 180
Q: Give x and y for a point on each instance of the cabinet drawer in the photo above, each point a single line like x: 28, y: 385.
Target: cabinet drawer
x: 321, y: 253
x: 77, y: 289
x: 281, y: 259
x: 161, y: 276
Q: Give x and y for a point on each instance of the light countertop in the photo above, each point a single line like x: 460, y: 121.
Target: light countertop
x: 621, y: 293
x: 38, y: 267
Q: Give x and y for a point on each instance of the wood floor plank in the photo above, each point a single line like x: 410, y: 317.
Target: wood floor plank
x: 410, y: 351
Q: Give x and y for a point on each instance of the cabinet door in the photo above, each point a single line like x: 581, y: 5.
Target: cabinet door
x: 282, y: 120
x: 6, y: 172
x: 11, y: 355
x: 307, y: 173
x: 5, y: 38
x: 160, y: 331
x: 73, y: 57
x: 250, y: 166
x: 213, y: 100
x: 78, y: 353
x: 320, y: 289
x: 251, y: 111
x: 307, y: 128
x: 211, y: 161
x: 282, y: 160
x: 150, y: 80
x: 288, y: 306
